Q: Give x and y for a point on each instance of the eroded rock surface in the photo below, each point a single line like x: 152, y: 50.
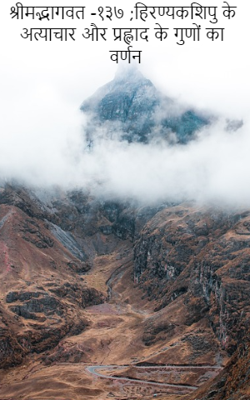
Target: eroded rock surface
x: 201, y: 256
x: 99, y: 282
x: 130, y: 108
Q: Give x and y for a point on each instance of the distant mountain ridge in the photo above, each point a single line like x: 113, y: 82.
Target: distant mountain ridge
x: 131, y: 108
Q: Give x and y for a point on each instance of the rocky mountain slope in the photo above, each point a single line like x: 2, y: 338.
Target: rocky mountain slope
x: 101, y: 298
x: 131, y: 108
x: 97, y: 282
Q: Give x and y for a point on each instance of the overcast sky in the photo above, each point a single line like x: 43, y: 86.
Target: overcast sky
x: 44, y: 83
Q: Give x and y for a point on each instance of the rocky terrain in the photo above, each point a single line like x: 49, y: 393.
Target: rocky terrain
x: 101, y: 298
x: 91, y: 282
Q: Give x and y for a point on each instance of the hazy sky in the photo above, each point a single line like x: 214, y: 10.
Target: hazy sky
x: 44, y: 83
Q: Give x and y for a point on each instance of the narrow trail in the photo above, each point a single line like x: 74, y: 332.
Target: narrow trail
x: 93, y: 369
x: 116, y: 304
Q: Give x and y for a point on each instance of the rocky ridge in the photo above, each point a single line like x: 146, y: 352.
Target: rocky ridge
x: 185, y: 267
x: 96, y: 281
x: 130, y: 108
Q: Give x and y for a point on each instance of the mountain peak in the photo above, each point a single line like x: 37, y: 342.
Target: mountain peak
x: 131, y: 105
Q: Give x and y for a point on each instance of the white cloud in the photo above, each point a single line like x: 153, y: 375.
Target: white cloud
x: 44, y: 84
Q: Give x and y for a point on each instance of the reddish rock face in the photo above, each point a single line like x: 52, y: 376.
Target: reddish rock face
x: 201, y: 256
x: 42, y: 293
x: 172, y: 280
x: 233, y: 382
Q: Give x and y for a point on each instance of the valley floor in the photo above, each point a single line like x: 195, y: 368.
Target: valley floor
x: 117, y: 363
x: 102, y: 300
